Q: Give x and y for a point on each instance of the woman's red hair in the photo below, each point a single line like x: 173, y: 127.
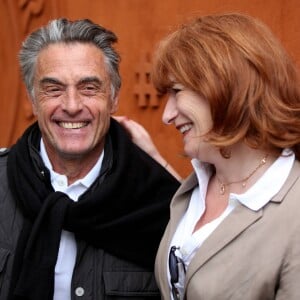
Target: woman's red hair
x: 242, y: 70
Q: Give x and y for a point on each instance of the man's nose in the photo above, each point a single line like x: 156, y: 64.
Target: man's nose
x: 72, y: 102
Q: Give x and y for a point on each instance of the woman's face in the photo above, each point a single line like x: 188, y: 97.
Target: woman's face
x: 191, y: 115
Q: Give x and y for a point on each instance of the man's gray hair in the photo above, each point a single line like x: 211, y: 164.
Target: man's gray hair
x: 65, y: 31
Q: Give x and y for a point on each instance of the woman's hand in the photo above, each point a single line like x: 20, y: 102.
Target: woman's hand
x: 142, y: 138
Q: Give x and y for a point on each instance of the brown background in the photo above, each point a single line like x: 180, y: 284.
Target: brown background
x: 139, y: 24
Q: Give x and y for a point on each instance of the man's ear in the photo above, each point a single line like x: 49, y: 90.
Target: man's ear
x: 33, y: 105
x: 115, y: 105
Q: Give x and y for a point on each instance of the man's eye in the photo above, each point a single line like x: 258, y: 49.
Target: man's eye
x: 89, y: 89
x: 53, y: 90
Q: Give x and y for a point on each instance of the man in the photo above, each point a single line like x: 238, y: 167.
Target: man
x: 82, y: 208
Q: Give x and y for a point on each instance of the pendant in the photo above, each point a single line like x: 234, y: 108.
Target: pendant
x: 222, y: 189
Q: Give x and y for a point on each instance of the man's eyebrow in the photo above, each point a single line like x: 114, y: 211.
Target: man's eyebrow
x: 91, y: 79
x: 52, y: 80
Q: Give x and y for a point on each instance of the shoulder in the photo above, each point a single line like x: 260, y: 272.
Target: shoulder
x: 4, y: 151
x: 3, y: 156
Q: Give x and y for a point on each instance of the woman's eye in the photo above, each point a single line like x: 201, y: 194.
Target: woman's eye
x: 174, y: 91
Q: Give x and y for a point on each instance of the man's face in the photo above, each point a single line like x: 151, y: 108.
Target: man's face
x: 72, y: 100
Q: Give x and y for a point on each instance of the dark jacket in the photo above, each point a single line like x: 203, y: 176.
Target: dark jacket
x: 97, y: 274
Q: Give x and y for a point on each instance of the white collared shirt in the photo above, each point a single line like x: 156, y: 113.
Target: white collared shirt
x: 67, y: 248
x: 254, y: 198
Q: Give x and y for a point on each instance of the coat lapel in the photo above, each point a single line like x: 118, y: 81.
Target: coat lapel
x: 233, y: 225
x: 177, y: 208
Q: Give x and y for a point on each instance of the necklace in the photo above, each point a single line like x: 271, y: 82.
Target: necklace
x: 223, y: 185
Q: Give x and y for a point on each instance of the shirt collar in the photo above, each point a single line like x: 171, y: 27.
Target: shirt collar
x: 269, y: 184
x: 86, y: 181
x: 263, y: 190
x: 203, y: 172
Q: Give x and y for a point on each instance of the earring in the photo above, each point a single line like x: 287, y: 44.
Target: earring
x: 225, y: 152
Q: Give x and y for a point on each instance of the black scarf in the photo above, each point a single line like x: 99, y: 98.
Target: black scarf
x: 124, y: 212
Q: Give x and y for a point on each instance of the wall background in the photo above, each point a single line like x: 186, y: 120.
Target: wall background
x: 139, y: 25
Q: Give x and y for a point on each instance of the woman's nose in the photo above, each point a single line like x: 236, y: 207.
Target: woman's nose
x: 170, y: 111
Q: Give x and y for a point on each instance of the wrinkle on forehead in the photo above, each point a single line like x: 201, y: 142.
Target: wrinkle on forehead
x: 71, y: 62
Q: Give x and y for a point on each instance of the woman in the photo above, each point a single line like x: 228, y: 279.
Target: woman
x: 234, y: 94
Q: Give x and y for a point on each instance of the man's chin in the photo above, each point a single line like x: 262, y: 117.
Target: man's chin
x: 73, y: 153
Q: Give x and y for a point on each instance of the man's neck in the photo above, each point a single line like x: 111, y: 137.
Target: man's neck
x: 73, y: 168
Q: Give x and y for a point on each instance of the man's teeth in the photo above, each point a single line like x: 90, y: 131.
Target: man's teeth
x: 70, y: 125
x: 185, y: 128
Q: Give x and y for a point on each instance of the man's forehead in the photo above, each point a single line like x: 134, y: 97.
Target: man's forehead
x: 73, y: 54
x: 75, y: 62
